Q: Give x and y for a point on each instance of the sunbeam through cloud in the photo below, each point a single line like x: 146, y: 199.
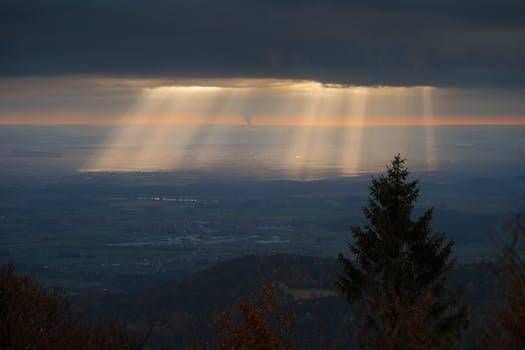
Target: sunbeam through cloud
x: 307, y: 126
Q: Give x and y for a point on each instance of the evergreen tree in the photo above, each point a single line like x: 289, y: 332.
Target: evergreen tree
x: 398, y: 270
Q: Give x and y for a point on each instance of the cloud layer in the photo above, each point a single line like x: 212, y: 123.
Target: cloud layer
x: 464, y: 43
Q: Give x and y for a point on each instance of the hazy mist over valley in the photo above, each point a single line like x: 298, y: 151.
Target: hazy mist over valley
x: 86, y: 229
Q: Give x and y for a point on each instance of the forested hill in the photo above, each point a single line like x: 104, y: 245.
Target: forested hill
x: 181, y: 309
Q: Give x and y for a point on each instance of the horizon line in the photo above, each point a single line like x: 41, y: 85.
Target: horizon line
x: 255, y: 123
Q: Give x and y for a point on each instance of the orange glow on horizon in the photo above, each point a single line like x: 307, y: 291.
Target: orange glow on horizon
x: 136, y: 113
x: 268, y: 121
x: 264, y: 102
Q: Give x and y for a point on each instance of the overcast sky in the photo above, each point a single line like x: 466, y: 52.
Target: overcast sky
x: 472, y: 46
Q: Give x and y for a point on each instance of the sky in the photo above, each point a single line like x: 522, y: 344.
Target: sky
x: 262, y: 62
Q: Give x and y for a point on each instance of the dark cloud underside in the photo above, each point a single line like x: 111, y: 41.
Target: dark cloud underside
x: 439, y: 42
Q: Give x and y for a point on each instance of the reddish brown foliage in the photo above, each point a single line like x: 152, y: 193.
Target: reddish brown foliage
x: 32, y: 317
x: 257, y: 325
x: 507, y: 330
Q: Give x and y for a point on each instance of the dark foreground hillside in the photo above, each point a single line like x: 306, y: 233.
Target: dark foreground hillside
x: 181, y: 310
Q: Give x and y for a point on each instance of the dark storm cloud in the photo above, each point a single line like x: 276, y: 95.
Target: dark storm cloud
x: 470, y: 43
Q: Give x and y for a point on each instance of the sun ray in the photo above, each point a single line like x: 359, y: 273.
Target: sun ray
x: 320, y: 127
x: 298, y: 152
x: 430, y: 138
x: 351, y: 146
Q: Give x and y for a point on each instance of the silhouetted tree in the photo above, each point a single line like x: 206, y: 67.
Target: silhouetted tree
x: 32, y: 317
x: 507, y: 329
x: 257, y: 325
x: 397, y: 272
